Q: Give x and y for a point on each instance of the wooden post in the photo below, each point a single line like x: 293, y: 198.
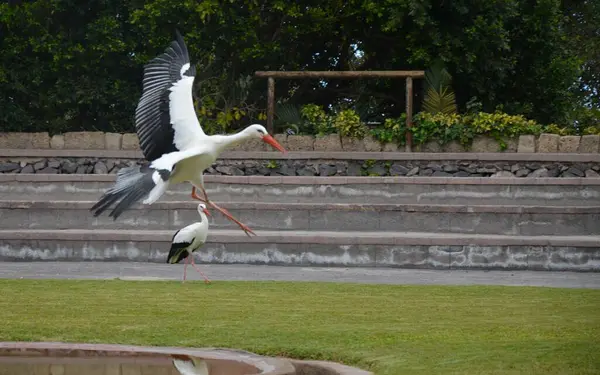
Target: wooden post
x: 409, y: 108
x: 270, y: 104
x: 342, y: 74
x: 408, y: 74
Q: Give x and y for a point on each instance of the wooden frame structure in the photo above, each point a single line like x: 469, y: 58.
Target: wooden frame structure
x: 409, y: 75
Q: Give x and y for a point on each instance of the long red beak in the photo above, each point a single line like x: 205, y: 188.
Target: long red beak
x: 206, y: 212
x: 270, y: 140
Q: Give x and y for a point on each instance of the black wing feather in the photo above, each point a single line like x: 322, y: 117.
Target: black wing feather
x: 178, y: 250
x: 152, y: 119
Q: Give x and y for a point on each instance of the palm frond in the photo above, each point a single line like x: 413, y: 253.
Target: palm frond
x: 439, y: 96
x: 288, y: 114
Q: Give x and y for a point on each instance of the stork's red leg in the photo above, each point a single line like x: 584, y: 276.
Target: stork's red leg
x: 206, y: 280
x: 185, y: 268
x: 244, y: 227
x: 196, y: 196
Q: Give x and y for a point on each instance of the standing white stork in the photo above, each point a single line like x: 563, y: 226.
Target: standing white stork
x: 171, y: 137
x: 189, y: 239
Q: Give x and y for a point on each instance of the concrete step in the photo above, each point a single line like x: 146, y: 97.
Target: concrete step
x: 389, y: 190
x: 314, y: 248
x: 173, y: 215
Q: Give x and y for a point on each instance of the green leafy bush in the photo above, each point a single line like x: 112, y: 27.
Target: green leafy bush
x: 445, y: 128
x: 591, y: 130
x: 392, y: 131
x: 316, y: 118
x: 441, y: 127
x: 498, y: 124
x: 348, y: 124
x: 555, y: 129
x: 587, y: 117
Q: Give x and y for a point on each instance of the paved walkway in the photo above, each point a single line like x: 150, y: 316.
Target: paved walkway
x: 155, y: 271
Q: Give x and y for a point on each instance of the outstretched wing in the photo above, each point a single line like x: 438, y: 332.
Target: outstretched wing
x: 165, y: 118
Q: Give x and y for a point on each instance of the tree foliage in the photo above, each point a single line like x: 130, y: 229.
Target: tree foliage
x: 583, y: 30
x: 73, y: 64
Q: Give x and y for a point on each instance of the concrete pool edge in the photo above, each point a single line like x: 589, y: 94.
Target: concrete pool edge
x: 264, y: 364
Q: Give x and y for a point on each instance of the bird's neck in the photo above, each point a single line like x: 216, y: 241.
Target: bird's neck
x: 203, y: 219
x: 224, y: 142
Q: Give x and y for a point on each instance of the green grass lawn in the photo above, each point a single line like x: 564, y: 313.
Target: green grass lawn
x: 384, y: 328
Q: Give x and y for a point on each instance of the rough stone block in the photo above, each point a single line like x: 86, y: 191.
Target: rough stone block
x: 352, y: 144
x: 57, y: 142
x: 511, y: 144
x: 130, y: 141
x: 589, y: 144
x: 113, y: 141
x: 484, y: 144
x: 391, y: 147
x: 431, y: 146
x: 453, y: 146
x: 84, y: 141
x: 301, y: 142
x: 569, y: 143
x: 371, y: 144
x: 40, y: 140
x: 526, y: 143
x: 329, y: 142
x: 548, y: 143
x: 282, y: 139
x: 15, y: 140
x: 255, y: 144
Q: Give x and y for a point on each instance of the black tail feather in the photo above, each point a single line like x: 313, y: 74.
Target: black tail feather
x: 132, y: 184
x: 105, y: 202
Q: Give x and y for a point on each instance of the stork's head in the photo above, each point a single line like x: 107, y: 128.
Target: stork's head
x: 259, y: 131
x: 202, y: 209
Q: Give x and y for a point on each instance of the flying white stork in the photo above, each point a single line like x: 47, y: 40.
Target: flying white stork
x: 189, y: 239
x: 171, y: 137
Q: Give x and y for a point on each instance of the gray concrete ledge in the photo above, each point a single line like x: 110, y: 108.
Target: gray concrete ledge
x: 576, y: 219
x: 307, y: 237
x: 377, y: 207
x: 317, y: 180
x: 314, y: 155
x: 302, y: 248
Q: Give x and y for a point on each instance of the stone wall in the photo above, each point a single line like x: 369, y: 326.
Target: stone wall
x: 545, y: 143
x: 322, y: 167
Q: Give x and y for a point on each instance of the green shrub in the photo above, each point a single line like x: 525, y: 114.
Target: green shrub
x: 348, y: 124
x: 441, y: 127
x: 316, y: 117
x: 591, y: 130
x: 555, y: 129
x: 393, y: 130
x: 498, y: 124
x: 587, y: 117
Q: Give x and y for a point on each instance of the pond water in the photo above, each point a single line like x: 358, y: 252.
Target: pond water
x: 47, y: 358
x: 24, y: 365
x: 91, y: 359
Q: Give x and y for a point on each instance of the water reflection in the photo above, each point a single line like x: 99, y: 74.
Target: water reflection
x: 190, y: 365
x: 21, y: 365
